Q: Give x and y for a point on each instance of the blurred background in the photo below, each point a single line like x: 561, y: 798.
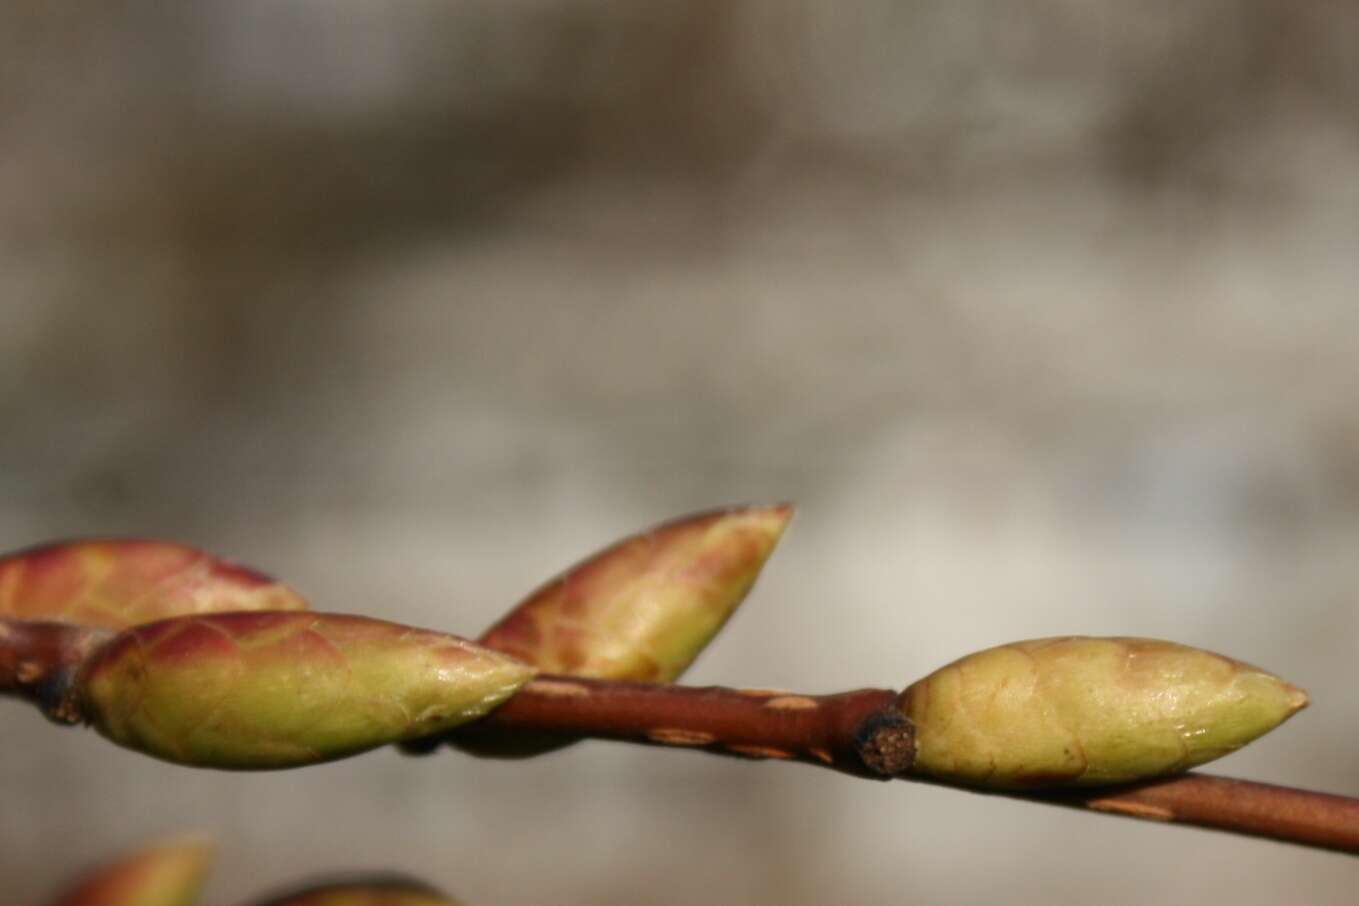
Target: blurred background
x: 1044, y: 312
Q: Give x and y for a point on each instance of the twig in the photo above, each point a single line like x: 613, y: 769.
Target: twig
x: 1305, y: 817
x: 860, y: 733
x: 846, y: 732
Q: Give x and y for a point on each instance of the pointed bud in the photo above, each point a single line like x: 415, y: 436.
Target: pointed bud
x: 119, y: 583
x: 1088, y: 711
x: 378, y: 891
x: 276, y: 689
x: 170, y: 874
x: 643, y: 609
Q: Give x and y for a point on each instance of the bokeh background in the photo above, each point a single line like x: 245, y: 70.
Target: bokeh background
x: 1044, y: 312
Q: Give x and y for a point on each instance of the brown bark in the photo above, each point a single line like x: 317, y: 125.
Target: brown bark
x: 1320, y: 820
x: 861, y: 733
x: 847, y: 732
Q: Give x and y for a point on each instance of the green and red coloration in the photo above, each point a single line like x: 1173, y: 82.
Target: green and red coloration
x: 378, y: 891
x: 640, y: 610
x: 1088, y: 712
x: 169, y: 874
x: 114, y: 584
x: 278, y: 689
x: 1039, y: 720
x: 643, y: 609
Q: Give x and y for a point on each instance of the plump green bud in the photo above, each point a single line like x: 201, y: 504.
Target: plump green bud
x: 170, y: 874
x: 1088, y: 711
x: 278, y: 689
x: 643, y: 609
x: 376, y: 892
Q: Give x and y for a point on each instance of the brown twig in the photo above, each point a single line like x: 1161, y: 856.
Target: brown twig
x: 1305, y: 817
x: 860, y: 733
x: 851, y: 731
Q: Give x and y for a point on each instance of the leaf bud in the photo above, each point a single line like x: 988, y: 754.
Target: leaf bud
x: 114, y: 584
x: 279, y: 689
x: 1088, y: 711
x: 643, y: 609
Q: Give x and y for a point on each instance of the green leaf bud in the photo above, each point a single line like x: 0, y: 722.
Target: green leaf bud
x: 644, y: 608
x: 169, y: 874
x: 1088, y: 711
x: 279, y: 689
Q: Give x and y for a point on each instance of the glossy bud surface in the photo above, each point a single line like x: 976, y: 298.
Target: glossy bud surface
x: 1088, y: 711
x: 278, y: 689
x: 644, y: 608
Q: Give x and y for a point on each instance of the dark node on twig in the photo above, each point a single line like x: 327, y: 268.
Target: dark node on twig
x: 56, y: 694
x: 885, y: 743
x: 41, y: 661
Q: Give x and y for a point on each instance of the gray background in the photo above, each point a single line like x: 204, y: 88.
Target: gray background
x: 1043, y: 311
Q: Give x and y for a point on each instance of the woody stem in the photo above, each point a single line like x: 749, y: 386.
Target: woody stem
x: 1305, y: 817
x: 863, y: 733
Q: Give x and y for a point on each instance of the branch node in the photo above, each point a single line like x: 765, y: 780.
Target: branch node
x: 885, y: 743
x: 40, y: 661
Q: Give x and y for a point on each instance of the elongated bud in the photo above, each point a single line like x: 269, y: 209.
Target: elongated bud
x: 276, y: 689
x: 169, y: 874
x: 1088, y: 711
x: 119, y: 583
x: 377, y: 891
x: 643, y: 609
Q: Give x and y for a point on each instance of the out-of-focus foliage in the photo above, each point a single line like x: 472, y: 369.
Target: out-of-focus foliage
x: 167, y: 874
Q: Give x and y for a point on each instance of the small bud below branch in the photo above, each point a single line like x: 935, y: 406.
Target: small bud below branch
x: 169, y: 874
x: 375, y: 891
x: 114, y: 584
x: 277, y: 689
x: 1088, y: 711
x: 643, y: 609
